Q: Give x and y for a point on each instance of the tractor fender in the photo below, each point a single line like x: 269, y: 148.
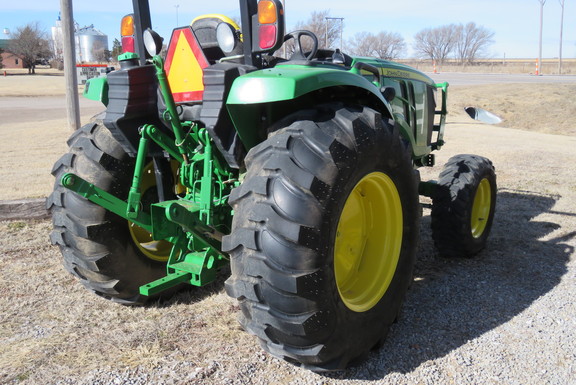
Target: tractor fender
x: 97, y: 89
x: 270, y: 94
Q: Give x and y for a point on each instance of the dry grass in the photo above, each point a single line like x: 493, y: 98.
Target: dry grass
x: 547, y: 108
x: 52, y: 328
x: 46, y: 82
x: 499, y: 66
x: 33, y: 136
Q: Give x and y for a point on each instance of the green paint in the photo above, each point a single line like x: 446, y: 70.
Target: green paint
x: 102, y: 198
x: 287, y: 82
x: 97, y: 89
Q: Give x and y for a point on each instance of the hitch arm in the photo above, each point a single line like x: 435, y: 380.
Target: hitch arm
x: 102, y: 198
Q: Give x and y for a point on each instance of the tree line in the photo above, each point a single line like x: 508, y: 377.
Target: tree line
x: 464, y: 42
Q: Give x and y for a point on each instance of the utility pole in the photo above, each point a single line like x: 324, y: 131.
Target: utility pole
x: 72, y: 105
x: 561, y: 32
x: 341, y: 29
x: 542, y: 2
x: 177, y: 21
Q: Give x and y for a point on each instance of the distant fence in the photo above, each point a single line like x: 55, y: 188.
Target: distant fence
x: 524, y: 66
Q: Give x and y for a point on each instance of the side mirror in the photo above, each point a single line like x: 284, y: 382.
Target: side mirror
x: 268, y: 26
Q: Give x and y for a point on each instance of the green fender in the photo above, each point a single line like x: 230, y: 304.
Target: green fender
x: 284, y: 83
x: 97, y: 89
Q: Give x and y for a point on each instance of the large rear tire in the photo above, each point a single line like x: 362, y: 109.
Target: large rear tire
x: 111, y: 256
x: 324, y: 236
x: 463, y: 206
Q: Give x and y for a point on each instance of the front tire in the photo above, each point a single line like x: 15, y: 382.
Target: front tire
x: 463, y: 206
x: 324, y: 236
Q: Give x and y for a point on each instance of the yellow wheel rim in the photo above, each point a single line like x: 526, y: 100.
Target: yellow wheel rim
x: 368, y: 242
x: 481, y: 208
x: 155, y: 250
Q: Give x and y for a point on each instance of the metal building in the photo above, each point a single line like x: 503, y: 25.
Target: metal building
x: 91, y: 44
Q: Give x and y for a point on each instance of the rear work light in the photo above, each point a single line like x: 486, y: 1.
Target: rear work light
x: 127, y: 33
x: 268, y: 26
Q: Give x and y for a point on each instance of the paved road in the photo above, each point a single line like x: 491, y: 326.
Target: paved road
x: 467, y: 79
x: 15, y: 109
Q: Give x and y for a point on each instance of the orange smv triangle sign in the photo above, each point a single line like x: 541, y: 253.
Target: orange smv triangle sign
x: 184, y: 66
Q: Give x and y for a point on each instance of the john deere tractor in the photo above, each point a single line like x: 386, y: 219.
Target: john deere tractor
x: 301, y: 172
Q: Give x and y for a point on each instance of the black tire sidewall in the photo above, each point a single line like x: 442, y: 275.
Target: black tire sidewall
x: 453, y: 202
x: 96, y: 243
x: 322, y: 154
x: 384, y: 153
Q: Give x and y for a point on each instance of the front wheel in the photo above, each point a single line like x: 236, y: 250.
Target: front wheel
x: 324, y: 236
x: 463, y: 206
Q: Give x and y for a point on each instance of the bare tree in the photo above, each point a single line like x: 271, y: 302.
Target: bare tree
x: 30, y: 43
x: 325, y: 32
x: 362, y: 44
x: 385, y: 45
x: 390, y: 45
x: 471, y: 42
x: 116, y: 49
x: 435, y: 43
x: 99, y: 53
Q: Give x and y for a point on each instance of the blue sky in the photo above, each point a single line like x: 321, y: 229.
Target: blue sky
x: 514, y: 22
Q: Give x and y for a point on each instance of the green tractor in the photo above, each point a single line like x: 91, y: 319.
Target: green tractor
x: 301, y: 173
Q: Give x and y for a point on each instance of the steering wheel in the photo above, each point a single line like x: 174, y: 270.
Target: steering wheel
x: 299, y: 54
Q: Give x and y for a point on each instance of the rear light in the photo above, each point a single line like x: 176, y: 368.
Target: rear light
x: 127, y: 33
x: 267, y: 12
x: 267, y: 36
x: 127, y: 25
x: 128, y: 44
x: 269, y: 26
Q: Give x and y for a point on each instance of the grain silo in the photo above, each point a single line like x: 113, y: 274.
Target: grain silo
x: 91, y: 45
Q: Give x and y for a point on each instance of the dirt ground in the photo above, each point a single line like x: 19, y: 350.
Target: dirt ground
x: 54, y: 331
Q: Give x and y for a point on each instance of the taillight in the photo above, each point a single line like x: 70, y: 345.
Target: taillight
x: 267, y: 36
x: 127, y: 33
x: 270, y: 26
x: 128, y: 44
